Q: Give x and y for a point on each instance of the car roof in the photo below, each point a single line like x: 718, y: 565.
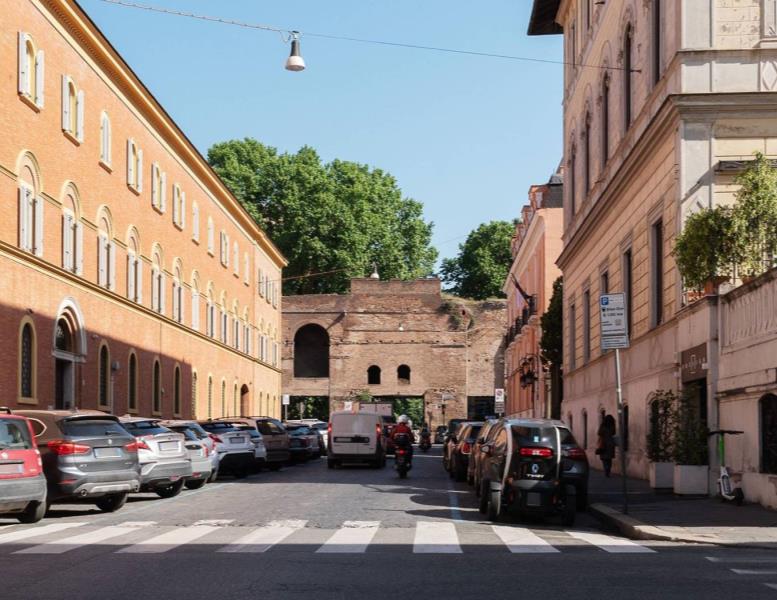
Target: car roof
x: 537, y: 422
x: 59, y: 415
x: 128, y: 419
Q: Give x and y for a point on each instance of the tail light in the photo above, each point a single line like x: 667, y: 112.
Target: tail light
x: 205, y: 450
x: 539, y: 452
x: 575, y: 453
x: 215, y: 438
x: 378, y: 430
x: 400, y: 452
x: 329, y: 429
x: 466, y: 448
x: 136, y: 445
x: 64, y: 448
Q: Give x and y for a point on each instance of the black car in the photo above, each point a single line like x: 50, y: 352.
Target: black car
x: 450, y: 441
x: 460, y: 451
x: 88, y: 456
x: 532, y: 466
x: 300, y: 447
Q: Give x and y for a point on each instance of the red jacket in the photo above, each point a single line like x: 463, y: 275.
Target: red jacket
x: 404, y: 429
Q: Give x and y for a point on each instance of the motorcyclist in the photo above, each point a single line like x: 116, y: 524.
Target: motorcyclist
x: 402, y: 428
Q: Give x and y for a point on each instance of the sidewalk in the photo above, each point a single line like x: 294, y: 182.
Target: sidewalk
x: 665, y: 516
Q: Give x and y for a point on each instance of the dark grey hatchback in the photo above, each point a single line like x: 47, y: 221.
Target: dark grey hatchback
x: 87, y: 457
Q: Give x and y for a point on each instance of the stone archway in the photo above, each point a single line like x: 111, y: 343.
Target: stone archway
x: 311, y: 352
x: 245, y: 402
x: 69, y: 351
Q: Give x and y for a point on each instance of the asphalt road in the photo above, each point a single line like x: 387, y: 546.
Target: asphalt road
x: 313, y: 533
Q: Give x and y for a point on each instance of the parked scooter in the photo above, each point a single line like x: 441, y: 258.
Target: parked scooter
x: 403, y: 455
x: 728, y: 492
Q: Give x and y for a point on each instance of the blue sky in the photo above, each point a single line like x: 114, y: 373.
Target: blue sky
x: 464, y: 135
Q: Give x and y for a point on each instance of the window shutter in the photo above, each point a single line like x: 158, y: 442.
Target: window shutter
x: 139, y: 169
x: 130, y: 163
x: 154, y: 185
x: 131, y: 275
x: 67, y: 241
x: 181, y: 303
x: 23, y: 218
x: 175, y: 300
x: 195, y: 310
x: 80, y: 116
x: 24, y: 67
x: 102, y: 260
x: 162, y: 293
x: 65, y: 104
x: 175, y: 204
x: 154, y: 289
x: 139, y: 284
x: 196, y: 222
x: 163, y: 192
x: 112, y: 266
x: 38, y: 214
x: 40, y: 79
x: 183, y: 210
x: 79, y: 257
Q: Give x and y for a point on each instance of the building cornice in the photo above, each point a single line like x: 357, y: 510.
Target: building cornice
x: 78, y: 25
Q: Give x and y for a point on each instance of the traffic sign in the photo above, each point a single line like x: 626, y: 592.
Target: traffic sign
x: 612, y: 312
x: 286, y: 400
x: 499, y: 400
x: 612, y: 342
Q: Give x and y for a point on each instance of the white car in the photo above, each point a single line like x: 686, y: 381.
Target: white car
x: 260, y: 450
x: 235, y: 448
x: 206, y: 438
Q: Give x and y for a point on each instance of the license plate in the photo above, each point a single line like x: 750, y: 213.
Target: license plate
x: 533, y: 499
x: 168, y: 446
x: 11, y: 469
x: 107, y: 452
x: 236, y: 440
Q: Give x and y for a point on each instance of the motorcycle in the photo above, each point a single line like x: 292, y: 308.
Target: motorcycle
x: 426, y: 441
x: 403, y: 456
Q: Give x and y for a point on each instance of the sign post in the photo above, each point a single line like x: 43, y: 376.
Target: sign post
x: 286, y: 400
x: 614, y: 336
x: 499, y: 401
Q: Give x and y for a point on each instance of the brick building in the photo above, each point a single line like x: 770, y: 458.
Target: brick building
x: 395, y: 339
x: 132, y: 280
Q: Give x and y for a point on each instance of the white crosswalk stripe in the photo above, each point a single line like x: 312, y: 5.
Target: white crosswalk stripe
x: 352, y: 537
x: 436, y: 537
x: 85, y: 539
x: 264, y: 538
x: 22, y: 535
x: 520, y: 540
x: 608, y: 543
x: 170, y: 539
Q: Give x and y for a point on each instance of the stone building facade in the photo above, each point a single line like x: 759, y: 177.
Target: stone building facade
x: 536, y: 245
x: 662, y: 99
x: 395, y: 339
x: 132, y: 280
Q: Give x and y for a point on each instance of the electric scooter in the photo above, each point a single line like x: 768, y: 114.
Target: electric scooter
x: 728, y: 493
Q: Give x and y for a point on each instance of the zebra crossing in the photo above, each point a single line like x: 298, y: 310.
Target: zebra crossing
x: 755, y: 568
x: 351, y: 537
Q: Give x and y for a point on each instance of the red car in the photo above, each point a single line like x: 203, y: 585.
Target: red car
x: 22, y: 482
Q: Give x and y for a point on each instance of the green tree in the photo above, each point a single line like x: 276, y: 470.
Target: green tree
x: 552, y: 345
x: 480, y: 269
x: 339, y: 216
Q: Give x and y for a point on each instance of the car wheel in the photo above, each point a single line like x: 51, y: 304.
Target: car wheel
x: 330, y: 463
x: 170, y: 491
x: 275, y: 466
x: 34, y: 512
x: 483, y: 505
x: 494, y: 509
x: 582, y: 498
x: 570, y: 507
x: 112, y: 502
x: 241, y: 473
x: 195, y: 484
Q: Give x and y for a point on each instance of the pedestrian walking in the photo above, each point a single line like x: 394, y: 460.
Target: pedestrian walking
x: 605, y: 444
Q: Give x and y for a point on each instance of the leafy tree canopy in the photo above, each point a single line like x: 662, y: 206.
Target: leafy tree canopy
x: 327, y: 216
x: 551, y: 322
x: 480, y: 269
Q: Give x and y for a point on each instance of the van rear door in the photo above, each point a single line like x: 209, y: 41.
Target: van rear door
x: 353, y: 434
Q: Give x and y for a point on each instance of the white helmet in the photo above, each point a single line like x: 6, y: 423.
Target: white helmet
x: 402, y: 419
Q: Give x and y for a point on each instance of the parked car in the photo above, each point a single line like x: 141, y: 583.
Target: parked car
x: 234, y: 445
x: 460, y: 452
x: 199, y: 456
x: 356, y: 438
x: 22, y: 482
x: 260, y: 451
x: 164, y: 460
x: 322, y: 427
x: 207, y: 439
x: 532, y: 466
x: 474, y: 464
x: 87, y: 456
x: 301, y: 440
x: 439, y: 434
x: 450, y: 441
x: 275, y: 437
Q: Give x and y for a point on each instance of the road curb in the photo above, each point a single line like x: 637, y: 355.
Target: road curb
x: 637, y: 530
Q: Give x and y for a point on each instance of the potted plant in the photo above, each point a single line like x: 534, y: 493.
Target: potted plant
x: 659, y: 439
x: 706, y: 250
x: 689, y: 448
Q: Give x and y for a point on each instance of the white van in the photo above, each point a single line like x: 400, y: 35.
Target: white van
x: 356, y: 438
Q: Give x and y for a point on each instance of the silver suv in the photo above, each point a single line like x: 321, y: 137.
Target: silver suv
x: 164, y: 461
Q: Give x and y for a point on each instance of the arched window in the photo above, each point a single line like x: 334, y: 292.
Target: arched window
x: 106, y: 252
x: 403, y: 374
x: 373, y: 375
x: 223, y: 398
x: 210, y: 315
x: 236, y: 258
x: 768, y: 410
x: 158, y: 188
x: 585, y: 429
x: 104, y: 378
x: 195, y: 302
x: 587, y: 158
x: 210, y: 397
x: 105, y: 139
x: 572, y: 180
x: 177, y: 390
x: 178, y: 298
x: 234, y: 401
x: 156, y: 388
x: 194, y: 395
x: 31, y: 72
x: 211, y: 237
x: 158, y: 281
x: 135, y: 168
x: 30, y: 206
x: 72, y: 109
x: 656, y: 32
x: 179, y: 207
x: 72, y: 232
x: 27, y: 362
x: 605, y: 118
x: 134, y: 268
x: 195, y: 222
x: 627, y: 68
x: 311, y: 352
x: 132, y: 383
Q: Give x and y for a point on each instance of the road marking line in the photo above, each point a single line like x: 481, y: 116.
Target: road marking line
x: 32, y: 532
x: 772, y: 586
x: 520, y: 540
x: 171, y: 539
x: 264, y: 538
x: 84, y: 539
x: 214, y: 522
x: 433, y: 537
x: 453, y: 501
x: 754, y: 571
x: 352, y: 537
x: 717, y: 559
x: 614, y: 545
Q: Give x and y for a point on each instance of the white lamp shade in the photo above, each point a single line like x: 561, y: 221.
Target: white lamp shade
x: 295, y: 61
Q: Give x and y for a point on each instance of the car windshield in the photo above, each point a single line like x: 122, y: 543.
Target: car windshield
x: 320, y: 426
x: 298, y: 430
x: 140, y: 428
x: 218, y: 427
x: 534, y: 435
x: 268, y: 428
x: 567, y: 439
x: 14, y: 435
x: 474, y: 431
x: 92, y: 427
x: 187, y: 433
x: 250, y: 431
